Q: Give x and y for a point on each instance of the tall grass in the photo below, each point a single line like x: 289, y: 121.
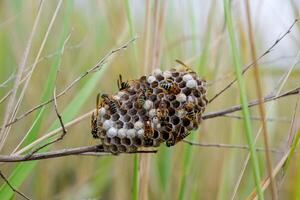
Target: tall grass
x: 243, y: 97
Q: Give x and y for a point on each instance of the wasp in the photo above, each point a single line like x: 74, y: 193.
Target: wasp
x: 177, y: 136
x: 122, y: 85
x: 171, y: 88
x: 94, y: 118
x: 112, y: 104
x: 149, y: 132
x: 186, y: 68
x: 190, y: 113
x: 162, y: 110
x: 141, y: 99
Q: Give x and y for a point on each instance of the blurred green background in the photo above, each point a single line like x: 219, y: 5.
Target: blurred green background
x: 192, y: 31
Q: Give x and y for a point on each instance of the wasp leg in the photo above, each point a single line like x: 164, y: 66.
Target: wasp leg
x: 171, y: 141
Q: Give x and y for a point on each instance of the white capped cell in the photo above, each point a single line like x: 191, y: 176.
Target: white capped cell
x: 140, y: 132
x: 151, y: 79
x: 148, y: 104
x: 131, y: 133
x: 158, y: 126
x: 157, y: 72
x: 138, y: 125
x: 152, y: 113
x: 191, y: 84
x: 122, y: 132
x: 167, y: 74
x: 187, y: 77
x: 181, y: 97
x: 112, y: 132
x: 191, y: 99
x: 107, y: 124
x: 181, y: 113
x: 155, y: 120
x: 102, y: 111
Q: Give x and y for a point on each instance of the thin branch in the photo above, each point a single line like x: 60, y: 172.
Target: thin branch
x: 85, y: 150
x: 12, y: 187
x: 251, y: 104
x: 255, y: 61
x: 228, y: 146
x: 256, y: 118
x: 64, y: 130
x: 10, y: 78
x: 97, y: 67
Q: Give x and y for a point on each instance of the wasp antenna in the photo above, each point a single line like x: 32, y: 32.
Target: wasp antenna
x: 120, y: 76
x: 181, y: 63
x: 97, y: 100
x: 118, y: 83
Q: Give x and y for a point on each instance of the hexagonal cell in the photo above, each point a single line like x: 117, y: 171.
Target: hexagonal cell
x: 178, y: 79
x: 148, y: 142
x: 126, y: 118
x: 142, y: 112
x: 132, y: 112
x: 113, y: 148
x: 182, y: 84
x: 122, y: 111
x: 129, y: 104
x: 126, y: 141
x: 175, y: 120
x: 175, y: 104
x: 187, y: 91
x: 171, y: 97
x: 159, y: 77
x: 185, y: 122
x: 154, y: 84
x: 171, y: 111
x: 158, y: 91
x: 115, y: 117
x: 116, y: 140
x: 201, y: 102
x: 122, y: 148
x: 155, y: 134
x: 137, y: 141
x: 135, y: 118
x: 119, y: 124
x: 129, y: 125
x: 164, y: 135
x: 197, y: 93
x: 175, y: 74
x: 107, y: 116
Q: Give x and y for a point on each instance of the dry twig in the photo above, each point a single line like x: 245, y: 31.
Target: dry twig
x: 255, y: 61
x: 85, y: 150
x: 97, y: 67
x: 228, y: 146
x: 12, y: 187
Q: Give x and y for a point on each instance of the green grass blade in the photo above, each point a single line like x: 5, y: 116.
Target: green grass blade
x: 243, y: 98
x: 22, y: 170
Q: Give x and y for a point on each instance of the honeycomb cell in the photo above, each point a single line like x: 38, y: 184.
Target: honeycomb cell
x: 115, y: 117
x: 175, y: 120
x: 175, y: 104
x: 122, y: 148
x: 126, y: 118
x: 126, y: 141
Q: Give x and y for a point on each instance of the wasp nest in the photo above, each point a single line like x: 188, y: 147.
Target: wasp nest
x: 162, y: 107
